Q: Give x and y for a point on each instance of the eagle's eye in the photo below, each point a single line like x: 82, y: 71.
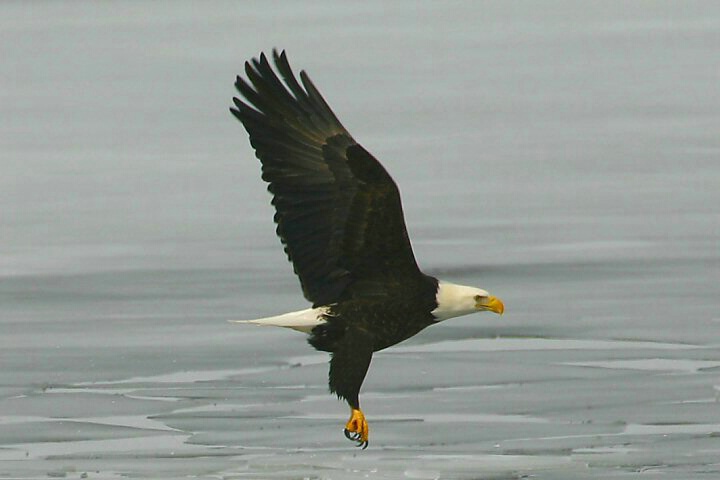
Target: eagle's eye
x: 478, y: 298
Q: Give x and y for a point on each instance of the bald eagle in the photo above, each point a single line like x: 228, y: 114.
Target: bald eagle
x: 340, y: 220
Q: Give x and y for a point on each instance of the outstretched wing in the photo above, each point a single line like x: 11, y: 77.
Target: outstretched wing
x: 338, y: 212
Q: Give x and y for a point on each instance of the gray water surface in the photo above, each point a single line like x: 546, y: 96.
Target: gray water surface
x: 563, y: 155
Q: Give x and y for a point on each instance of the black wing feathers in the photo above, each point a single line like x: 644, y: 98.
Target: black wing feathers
x: 338, y: 212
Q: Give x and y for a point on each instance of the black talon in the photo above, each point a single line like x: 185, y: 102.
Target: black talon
x: 355, y: 437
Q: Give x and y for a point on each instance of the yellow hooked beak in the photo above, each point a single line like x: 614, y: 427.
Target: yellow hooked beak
x: 492, y: 304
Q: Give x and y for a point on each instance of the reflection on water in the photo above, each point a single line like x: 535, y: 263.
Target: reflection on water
x: 563, y: 157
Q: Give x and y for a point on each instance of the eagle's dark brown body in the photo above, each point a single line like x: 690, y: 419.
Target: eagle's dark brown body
x: 356, y: 328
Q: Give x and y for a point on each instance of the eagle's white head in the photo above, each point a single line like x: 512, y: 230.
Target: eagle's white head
x: 457, y: 300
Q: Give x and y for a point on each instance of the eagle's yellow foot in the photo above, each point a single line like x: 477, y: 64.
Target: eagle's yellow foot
x: 357, y: 429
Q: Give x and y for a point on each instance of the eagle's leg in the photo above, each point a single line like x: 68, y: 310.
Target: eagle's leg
x: 357, y: 428
x: 348, y: 366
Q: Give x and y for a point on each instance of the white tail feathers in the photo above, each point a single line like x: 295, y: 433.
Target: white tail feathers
x: 302, y: 320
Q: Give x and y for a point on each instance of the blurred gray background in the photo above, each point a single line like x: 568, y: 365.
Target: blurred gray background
x: 563, y: 155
